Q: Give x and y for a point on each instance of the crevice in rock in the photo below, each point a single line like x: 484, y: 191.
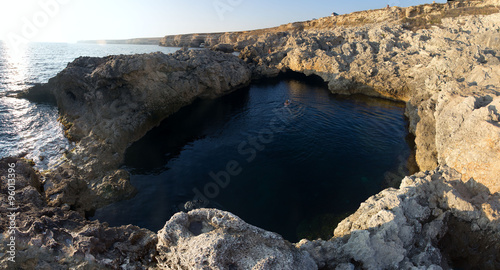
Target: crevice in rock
x: 88, y: 214
x: 310, y: 79
x: 469, y: 249
x: 412, y: 164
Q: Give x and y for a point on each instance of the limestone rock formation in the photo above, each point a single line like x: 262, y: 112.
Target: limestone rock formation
x: 191, y: 40
x: 410, y: 16
x: 468, y: 137
x: 58, y: 238
x: 407, y: 54
x: 214, y: 239
x: 433, y: 218
x: 108, y: 103
x: 390, y: 61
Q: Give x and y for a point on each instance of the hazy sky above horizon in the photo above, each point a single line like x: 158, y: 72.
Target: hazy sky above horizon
x: 72, y: 20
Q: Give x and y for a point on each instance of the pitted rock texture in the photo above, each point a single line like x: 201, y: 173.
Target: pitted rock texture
x: 59, y: 238
x: 214, y: 239
x: 468, y: 137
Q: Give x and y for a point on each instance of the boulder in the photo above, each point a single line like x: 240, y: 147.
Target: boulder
x: 468, y: 136
x: 214, y: 239
x: 223, y: 47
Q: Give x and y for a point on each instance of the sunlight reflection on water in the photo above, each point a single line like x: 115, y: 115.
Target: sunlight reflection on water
x: 27, y: 127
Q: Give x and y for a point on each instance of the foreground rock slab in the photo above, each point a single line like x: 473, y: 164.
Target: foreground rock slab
x: 433, y: 221
x: 214, y: 239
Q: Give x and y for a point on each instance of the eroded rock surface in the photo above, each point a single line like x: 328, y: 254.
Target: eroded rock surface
x: 214, y: 239
x: 108, y: 103
x: 468, y: 137
x: 58, y: 238
x: 415, y: 226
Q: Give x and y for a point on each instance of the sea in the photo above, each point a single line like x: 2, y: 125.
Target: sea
x: 31, y: 128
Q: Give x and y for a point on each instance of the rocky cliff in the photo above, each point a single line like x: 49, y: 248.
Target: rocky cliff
x: 426, y: 69
x: 108, y: 103
x: 412, y: 17
x: 392, y: 60
x: 448, y: 73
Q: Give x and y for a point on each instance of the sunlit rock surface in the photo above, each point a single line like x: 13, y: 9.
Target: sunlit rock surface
x: 214, y: 239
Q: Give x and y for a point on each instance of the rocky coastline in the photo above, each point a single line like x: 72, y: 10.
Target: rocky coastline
x: 94, y: 97
x: 447, y: 72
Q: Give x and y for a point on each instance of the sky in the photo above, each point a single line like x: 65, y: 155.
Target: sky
x: 73, y: 20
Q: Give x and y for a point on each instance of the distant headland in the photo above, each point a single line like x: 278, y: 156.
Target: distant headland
x: 136, y: 41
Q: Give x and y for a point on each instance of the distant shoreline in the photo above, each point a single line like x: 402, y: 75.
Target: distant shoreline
x: 135, y: 41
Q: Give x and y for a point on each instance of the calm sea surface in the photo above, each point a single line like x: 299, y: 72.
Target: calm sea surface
x: 295, y: 169
x: 26, y: 127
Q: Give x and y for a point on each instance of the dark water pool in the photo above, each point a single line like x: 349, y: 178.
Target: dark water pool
x: 296, y: 170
